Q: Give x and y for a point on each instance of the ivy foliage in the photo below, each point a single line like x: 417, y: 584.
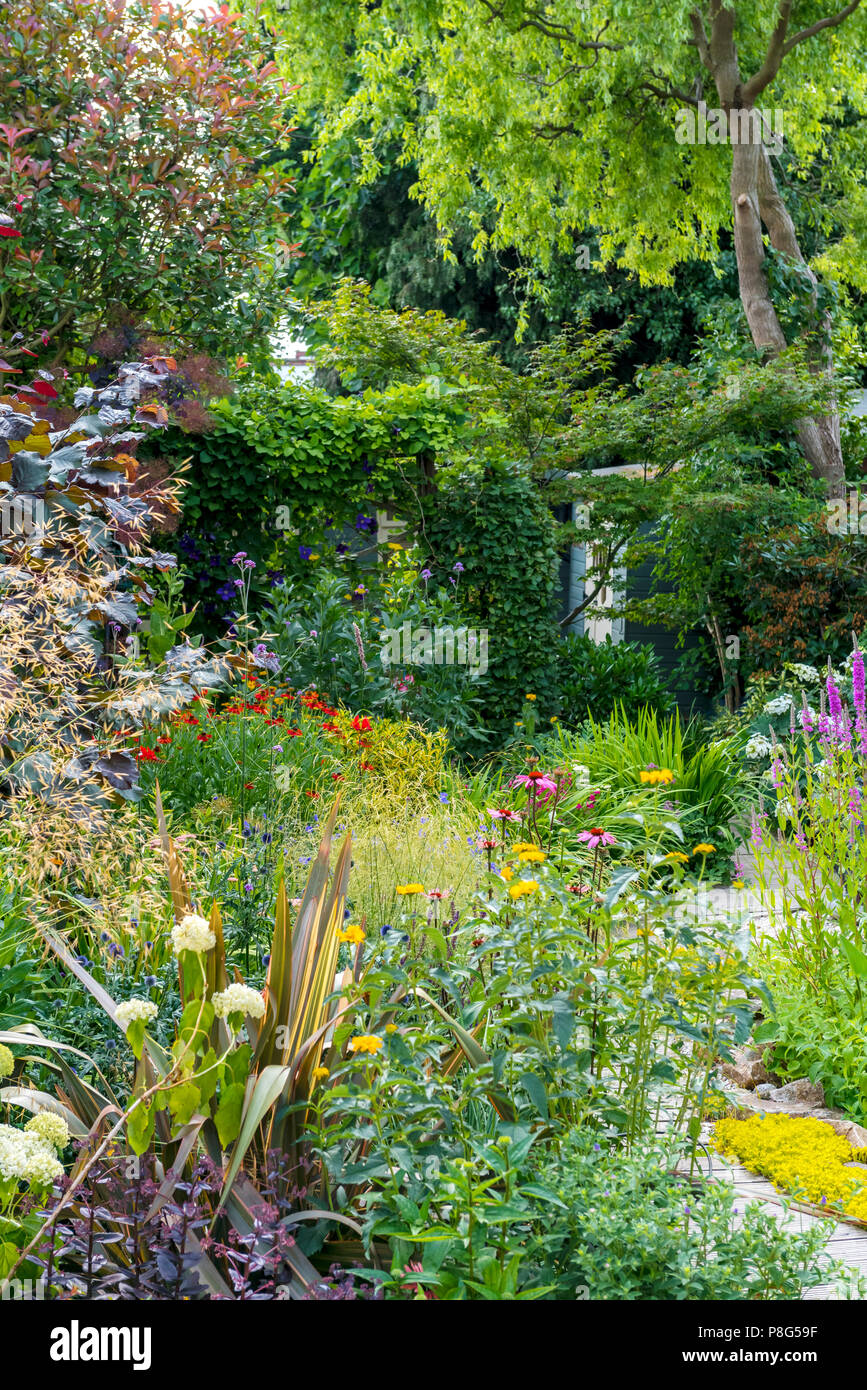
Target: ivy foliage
x: 284, y: 462
x: 495, y: 523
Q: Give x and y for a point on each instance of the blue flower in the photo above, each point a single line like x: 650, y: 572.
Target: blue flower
x: 305, y: 551
x: 444, y: 798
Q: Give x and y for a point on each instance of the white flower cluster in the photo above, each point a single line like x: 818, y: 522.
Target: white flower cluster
x: 807, y: 675
x: 238, y: 999
x: 27, y: 1157
x: 781, y: 704
x: 582, y: 774
x: 193, y: 933
x: 50, y: 1127
x: 133, y: 1009
x: 758, y: 747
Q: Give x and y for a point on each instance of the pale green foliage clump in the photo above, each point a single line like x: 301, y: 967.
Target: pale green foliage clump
x: 551, y: 119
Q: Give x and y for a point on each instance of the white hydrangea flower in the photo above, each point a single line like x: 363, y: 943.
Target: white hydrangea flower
x: 26, y: 1157
x: 193, y: 933
x: 133, y: 1009
x: 50, y: 1127
x: 42, y: 1168
x: 238, y: 999
x: 781, y: 704
x: 808, y: 675
x: 758, y: 747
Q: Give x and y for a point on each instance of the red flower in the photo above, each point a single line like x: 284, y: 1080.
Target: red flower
x: 360, y: 726
x: 314, y: 795
x: 147, y: 755
x: 367, y: 767
x: 9, y: 231
x: 234, y: 709
x: 293, y: 733
x: 165, y: 739
x: 204, y: 738
x: 337, y: 776
x: 248, y: 786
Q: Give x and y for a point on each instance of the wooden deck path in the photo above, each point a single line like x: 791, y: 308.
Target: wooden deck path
x: 847, y: 1243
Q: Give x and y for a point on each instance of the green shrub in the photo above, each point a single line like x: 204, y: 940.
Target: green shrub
x: 597, y: 678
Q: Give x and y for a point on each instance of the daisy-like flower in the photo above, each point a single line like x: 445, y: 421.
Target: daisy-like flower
x: 597, y: 838
x: 238, y: 999
x: 352, y: 934
x: 193, y: 933
x: 522, y: 888
x: 366, y: 1042
x: 704, y: 849
x: 532, y: 855
x: 656, y: 776
x: 391, y: 1028
x: 319, y: 1073
x: 535, y: 782
x: 133, y: 1009
x: 503, y: 813
x: 506, y: 873
x: 676, y: 857
x: 407, y: 890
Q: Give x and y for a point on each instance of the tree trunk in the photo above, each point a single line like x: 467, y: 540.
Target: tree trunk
x: 756, y: 203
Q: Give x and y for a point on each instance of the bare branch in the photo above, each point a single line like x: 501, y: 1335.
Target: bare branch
x: 773, y: 57
x: 700, y: 38
x: 831, y: 22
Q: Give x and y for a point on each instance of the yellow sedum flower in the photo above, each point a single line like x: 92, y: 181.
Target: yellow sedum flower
x: 406, y: 890
x: 366, y: 1042
x: 704, y: 849
x: 801, y: 1156
x: 522, y: 888
x: 352, y: 933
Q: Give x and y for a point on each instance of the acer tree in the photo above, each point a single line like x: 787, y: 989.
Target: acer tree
x: 535, y: 121
x: 140, y: 168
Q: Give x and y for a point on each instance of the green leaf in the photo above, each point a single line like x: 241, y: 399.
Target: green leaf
x: 228, y: 1116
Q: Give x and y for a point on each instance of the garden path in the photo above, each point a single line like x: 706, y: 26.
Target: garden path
x: 847, y: 1242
